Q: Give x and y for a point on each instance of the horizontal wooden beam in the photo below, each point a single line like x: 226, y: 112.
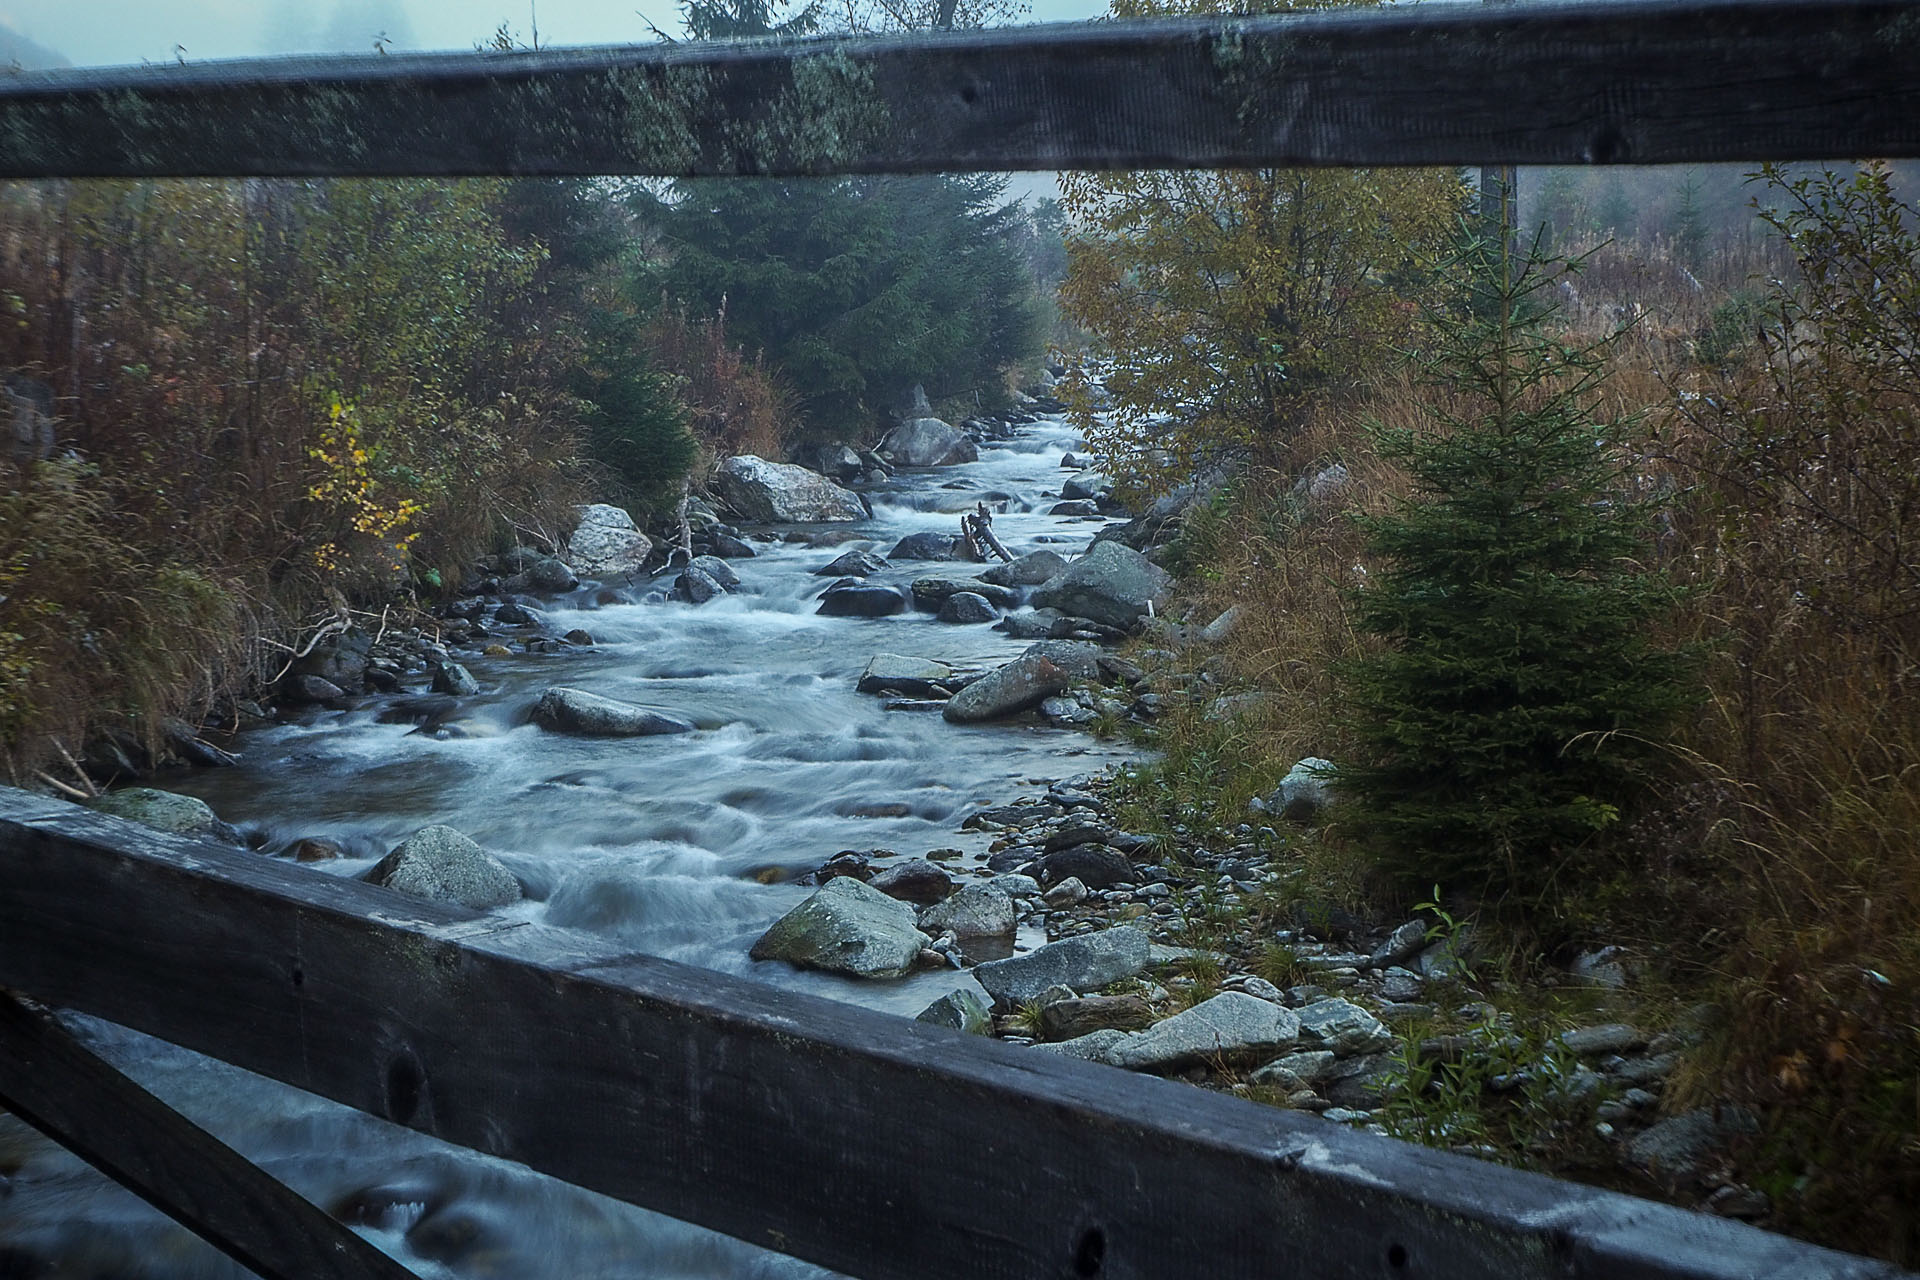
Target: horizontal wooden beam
x: 60, y: 1087
x: 872, y: 1144
x: 1610, y: 82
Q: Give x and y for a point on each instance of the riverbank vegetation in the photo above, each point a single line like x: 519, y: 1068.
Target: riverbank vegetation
x: 243, y: 409
x: 1745, y: 845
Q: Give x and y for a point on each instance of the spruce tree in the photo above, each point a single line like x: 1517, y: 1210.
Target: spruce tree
x: 1501, y: 722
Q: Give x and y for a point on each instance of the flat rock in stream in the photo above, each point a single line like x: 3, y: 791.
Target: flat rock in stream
x: 1086, y: 962
x: 1029, y: 570
x: 855, y: 601
x: 931, y: 592
x: 564, y: 710
x: 897, y: 673
x: 1232, y: 1027
x: 443, y: 865
x: 846, y: 927
x: 1025, y: 682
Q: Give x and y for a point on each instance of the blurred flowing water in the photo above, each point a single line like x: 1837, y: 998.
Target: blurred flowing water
x: 651, y: 842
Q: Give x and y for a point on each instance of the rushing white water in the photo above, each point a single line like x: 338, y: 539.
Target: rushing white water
x: 650, y: 841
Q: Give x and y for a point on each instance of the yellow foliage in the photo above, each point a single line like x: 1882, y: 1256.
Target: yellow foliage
x: 345, y: 484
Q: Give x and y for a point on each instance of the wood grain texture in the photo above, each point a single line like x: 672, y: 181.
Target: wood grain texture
x: 869, y: 1143
x: 1623, y: 81
x: 57, y: 1085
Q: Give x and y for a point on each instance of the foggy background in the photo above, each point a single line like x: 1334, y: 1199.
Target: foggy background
x: 36, y: 33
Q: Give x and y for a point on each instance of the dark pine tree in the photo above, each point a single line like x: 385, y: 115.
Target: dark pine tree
x: 1518, y: 690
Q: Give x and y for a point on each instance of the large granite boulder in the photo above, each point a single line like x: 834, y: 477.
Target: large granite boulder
x: 442, y: 865
x: 846, y: 927
x: 1111, y: 584
x: 1233, y: 1027
x: 564, y: 710
x: 1085, y: 962
x: 606, y: 543
x: 928, y: 442
x: 1025, y: 682
x: 777, y: 493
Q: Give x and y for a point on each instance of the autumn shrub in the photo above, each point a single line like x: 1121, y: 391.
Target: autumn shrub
x: 735, y: 404
x: 1788, y: 860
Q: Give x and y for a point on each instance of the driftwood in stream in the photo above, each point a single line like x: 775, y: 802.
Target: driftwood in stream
x: 57, y: 1085
x: 977, y: 529
x: 1612, y: 82
x: 869, y: 1143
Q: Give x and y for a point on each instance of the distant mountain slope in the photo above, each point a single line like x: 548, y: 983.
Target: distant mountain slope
x: 18, y: 51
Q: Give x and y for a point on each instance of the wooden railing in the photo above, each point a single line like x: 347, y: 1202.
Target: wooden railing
x: 872, y: 1144
x: 927, y: 1154
x: 1631, y: 82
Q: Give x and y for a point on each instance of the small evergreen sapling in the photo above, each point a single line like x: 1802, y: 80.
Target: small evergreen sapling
x: 1500, y: 724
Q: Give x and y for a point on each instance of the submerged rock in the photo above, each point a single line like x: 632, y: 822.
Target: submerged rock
x: 775, y: 492
x: 564, y: 710
x: 857, y: 601
x: 443, y: 865
x: 846, y: 927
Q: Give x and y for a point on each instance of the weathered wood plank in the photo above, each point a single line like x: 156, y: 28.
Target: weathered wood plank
x: 864, y: 1142
x: 1618, y: 81
x: 54, y: 1083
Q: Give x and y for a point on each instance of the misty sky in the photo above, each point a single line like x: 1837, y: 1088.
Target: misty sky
x: 107, y: 32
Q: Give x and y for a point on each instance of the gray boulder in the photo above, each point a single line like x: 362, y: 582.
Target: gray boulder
x: 927, y: 546
x: 1111, y: 584
x: 1072, y: 1018
x: 1081, y: 508
x: 838, y: 462
x: 442, y: 865
x: 775, y: 492
x: 1343, y: 1027
x: 551, y: 576
x: 1078, y: 658
x: 1039, y: 624
x: 1092, y: 1047
x: 977, y: 911
x: 606, y: 543
x: 1301, y: 1070
x: 928, y: 442
x: 454, y: 680
x: 962, y: 1010
x: 859, y: 601
x: 1029, y: 570
x: 1088, y: 484
x: 1232, y: 1027
x: 1085, y: 962
x: 161, y: 810
x: 846, y: 927
x: 564, y: 710
x: 913, y: 677
x: 696, y: 586
x: 1675, y: 1148
x: 852, y: 564
x: 966, y: 608
x: 1305, y: 791
x: 1025, y: 682
x: 717, y: 569
x: 1093, y: 865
